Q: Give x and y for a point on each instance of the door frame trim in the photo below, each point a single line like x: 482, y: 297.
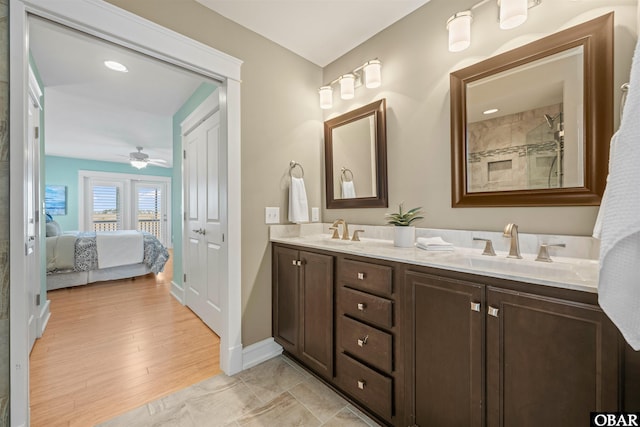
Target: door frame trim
x: 116, y: 25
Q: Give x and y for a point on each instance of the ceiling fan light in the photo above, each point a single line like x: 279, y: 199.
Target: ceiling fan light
x: 138, y: 164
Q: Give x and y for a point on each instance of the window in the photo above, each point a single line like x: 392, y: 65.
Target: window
x: 106, y: 214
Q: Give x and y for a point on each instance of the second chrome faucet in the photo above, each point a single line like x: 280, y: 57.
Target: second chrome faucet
x: 345, y: 231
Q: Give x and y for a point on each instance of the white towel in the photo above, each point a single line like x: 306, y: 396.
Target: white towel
x: 619, y: 279
x: 348, y: 190
x: 298, y: 207
x: 433, y: 244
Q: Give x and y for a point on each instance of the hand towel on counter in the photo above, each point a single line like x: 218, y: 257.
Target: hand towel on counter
x: 348, y: 190
x: 298, y: 206
x: 619, y: 278
x: 433, y: 244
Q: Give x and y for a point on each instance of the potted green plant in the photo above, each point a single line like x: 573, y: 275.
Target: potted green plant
x: 404, y: 233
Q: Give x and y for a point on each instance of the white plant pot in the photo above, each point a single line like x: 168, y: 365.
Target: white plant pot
x: 404, y: 237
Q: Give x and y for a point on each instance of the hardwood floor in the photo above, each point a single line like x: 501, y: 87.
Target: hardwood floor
x: 114, y: 346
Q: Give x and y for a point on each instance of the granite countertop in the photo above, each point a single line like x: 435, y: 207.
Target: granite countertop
x: 579, y: 274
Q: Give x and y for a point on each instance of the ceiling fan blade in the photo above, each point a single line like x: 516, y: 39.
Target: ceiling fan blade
x: 162, y: 164
x: 157, y: 160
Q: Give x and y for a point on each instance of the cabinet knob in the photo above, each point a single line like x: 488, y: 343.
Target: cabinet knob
x: 298, y: 263
x: 293, y: 262
x: 360, y: 276
x: 362, y: 306
x: 493, y: 311
x: 475, y: 306
x: 361, y: 384
x: 363, y: 341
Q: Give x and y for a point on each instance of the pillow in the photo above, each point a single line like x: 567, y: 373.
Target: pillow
x: 53, y: 229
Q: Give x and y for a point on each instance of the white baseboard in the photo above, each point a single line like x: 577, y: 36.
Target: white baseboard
x: 259, y: 352
x: 178, y: 292
x: 43, y: 318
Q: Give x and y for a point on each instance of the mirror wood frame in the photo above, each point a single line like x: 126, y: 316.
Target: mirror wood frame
x: 378, y: 110
x: 596, y: 38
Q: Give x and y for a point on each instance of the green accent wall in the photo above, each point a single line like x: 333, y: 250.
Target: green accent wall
x: 200, y: 94
x: 64, y: 171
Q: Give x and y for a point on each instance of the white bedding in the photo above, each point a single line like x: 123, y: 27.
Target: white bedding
x: 116, y: 248
x: 60, y: 254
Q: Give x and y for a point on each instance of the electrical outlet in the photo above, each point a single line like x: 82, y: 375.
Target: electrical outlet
x: 315, y: 214
x: 272, y: 215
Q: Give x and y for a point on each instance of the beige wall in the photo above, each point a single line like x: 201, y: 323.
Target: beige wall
x: 415, y: 80
x: 281, y: 121
x: 4, y: 210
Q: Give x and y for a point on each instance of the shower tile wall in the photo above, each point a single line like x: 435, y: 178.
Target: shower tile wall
x: 4, y: 214
x: 497, y: 149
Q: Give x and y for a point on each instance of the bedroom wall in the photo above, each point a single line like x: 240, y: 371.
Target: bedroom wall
x: 64, y: 171
x: 4, y: 213
x: 200, y: 94
x: 415, y: 81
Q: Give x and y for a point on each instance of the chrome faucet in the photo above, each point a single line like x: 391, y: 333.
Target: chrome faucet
x: 511, y: 231
x: 345, y: 229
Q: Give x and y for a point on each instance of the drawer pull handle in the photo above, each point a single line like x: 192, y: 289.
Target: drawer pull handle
x: 293, y: 262
x: 362, y: 306
x: 493, y: 311
x: 298, y: 263
x: 361, y: 384
x: 363, y: 341
x: 475, y: 306
x: 360, y: 276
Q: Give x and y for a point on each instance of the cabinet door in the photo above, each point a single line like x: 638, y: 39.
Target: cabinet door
x: 286, y: 298
x: 444, y: 348
x: 316, y: 333
x: 550, y: 362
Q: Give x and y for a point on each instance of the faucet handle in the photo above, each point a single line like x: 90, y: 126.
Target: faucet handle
x: 488, y: 247
x: 543, y: 254
x: 335, y: 232
x: 355, y: 237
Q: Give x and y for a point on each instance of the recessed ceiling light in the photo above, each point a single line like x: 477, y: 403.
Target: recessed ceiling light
x: 116, y: 66
x: 490, y: 111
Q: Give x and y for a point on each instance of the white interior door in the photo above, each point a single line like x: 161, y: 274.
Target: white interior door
x: 32, y: 226
x: 205, y: 202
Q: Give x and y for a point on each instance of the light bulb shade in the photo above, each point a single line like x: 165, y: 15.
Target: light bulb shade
x: 513, y: 13
x: 459, y: 26
x: 138, y: 164
x: 347, y: 86
x: 372, y: 75
x: 326, y: 97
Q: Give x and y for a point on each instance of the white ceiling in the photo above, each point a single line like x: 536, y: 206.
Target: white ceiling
x: 92, y: 112
x: 318, y: 30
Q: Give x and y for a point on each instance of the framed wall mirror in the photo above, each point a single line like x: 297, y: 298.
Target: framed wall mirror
x: 532, y: 126
x: 355, y: 151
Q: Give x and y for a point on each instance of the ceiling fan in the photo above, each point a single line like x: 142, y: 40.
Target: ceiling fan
x: 140, y: 160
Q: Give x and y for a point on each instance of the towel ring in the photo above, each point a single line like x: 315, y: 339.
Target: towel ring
x: 292, y: 165
x: 623, y: 99
x: 343, y: 175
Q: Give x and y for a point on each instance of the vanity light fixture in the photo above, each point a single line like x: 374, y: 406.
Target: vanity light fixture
x: 511, y: 13
x: 368, y: 74
x: 116, y: 66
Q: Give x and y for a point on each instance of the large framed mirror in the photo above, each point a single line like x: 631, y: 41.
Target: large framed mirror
x: 532, y: 126
x: 355, y: 152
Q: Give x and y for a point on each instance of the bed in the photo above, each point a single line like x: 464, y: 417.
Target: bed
x: 79, y: 258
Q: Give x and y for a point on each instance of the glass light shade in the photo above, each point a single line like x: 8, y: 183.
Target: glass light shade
x: 347, y: 86
x: 459, y: 26
x: 513, y: 13
x: 372, y: 75
x: 138, y: 164
x: 326, y: 97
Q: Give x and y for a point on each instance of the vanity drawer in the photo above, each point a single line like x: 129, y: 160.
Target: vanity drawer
x: 369, y: 344
x: 366, y: 276
x: 374, y: 390
x: 366, y: 307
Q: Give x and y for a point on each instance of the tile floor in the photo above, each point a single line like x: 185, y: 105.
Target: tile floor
x: 275, y: 393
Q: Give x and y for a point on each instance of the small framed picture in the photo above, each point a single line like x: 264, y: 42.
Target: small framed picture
x: 55, y: 199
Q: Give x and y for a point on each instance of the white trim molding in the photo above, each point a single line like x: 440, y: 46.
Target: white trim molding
x: 108, y: 22
x: 259, y: 352
x: 43, y: 317
x: 178, y: 292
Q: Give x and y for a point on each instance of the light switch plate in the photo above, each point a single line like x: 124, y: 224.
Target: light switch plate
x: 315, y: 214
x: 272, y: 215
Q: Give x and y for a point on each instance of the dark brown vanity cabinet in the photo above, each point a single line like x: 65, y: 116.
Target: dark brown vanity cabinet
x: 481, y: 355
x: 367, y: 336
x: 303, y: 306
